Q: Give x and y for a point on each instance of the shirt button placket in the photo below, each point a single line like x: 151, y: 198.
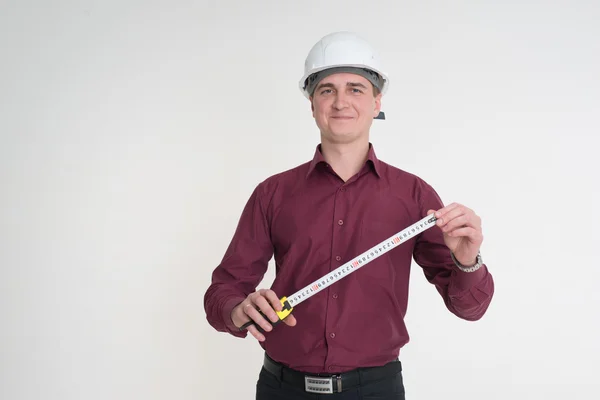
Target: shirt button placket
x: 337, y: 243
x: 338, y: 259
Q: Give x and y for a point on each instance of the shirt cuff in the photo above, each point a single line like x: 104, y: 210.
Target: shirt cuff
x: 228, y: 306
x: 466, y: 280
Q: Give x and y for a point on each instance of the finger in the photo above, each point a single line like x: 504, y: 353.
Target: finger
x: 471, y: 233
x: 257, y: 318
x: 290, y: 320
x: 264, y: 306
x: 458, y: 222
x: 274, y: 300
x: 442, y: 211
x: 270, y: 295
x: 450, y: 215
x: 465, y: 215
x: 254, y: 332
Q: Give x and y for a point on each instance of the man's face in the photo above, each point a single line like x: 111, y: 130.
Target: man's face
x: 344, y: 106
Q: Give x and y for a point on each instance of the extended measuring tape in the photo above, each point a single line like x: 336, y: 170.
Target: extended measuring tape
x: 346, y: 269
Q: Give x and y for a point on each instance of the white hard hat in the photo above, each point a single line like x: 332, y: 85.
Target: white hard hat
x: 341, y: 49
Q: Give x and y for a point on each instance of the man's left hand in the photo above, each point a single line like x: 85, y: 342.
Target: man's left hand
x: 462, y: 231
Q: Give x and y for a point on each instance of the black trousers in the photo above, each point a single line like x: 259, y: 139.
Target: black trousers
x: 286, y: 384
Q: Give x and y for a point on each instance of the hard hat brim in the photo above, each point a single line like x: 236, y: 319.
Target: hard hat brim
x: 302, y: 82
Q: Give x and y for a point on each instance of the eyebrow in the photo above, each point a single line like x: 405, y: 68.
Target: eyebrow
x: 349, y: 84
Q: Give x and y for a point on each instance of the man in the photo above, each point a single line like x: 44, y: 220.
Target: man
x: 317, y: 216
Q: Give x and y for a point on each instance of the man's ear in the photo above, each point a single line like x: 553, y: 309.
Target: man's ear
x: 312, y: 106
x: 377, y: 105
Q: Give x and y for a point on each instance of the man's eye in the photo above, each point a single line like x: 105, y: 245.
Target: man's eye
x: 326, y: 91
x: 355, y: 90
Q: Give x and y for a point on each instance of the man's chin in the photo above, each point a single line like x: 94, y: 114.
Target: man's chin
x: 342, y: 136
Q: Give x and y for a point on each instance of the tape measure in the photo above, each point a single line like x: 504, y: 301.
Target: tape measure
x: 289, y: 302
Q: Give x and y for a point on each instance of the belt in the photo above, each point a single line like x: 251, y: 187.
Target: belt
x: 331, y: 383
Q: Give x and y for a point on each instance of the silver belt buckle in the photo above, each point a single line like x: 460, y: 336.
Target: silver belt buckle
x: 317, y: 384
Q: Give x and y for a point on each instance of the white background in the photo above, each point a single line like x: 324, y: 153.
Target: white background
x: 132, y: 134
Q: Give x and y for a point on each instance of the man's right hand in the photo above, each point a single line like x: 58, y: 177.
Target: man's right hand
x: 267, y: 301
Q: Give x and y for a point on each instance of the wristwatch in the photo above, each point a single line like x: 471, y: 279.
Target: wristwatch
x: 473, y: 268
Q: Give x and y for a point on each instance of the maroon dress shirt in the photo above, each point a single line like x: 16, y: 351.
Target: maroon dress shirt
x: 311, y: 222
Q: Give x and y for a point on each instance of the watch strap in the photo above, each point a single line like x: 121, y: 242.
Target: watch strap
x: 472, y: 268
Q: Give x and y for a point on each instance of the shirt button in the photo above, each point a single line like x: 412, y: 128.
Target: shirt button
x: 343, y: 189
x: 340, y: 222
x: 338, y: 258
x: 332, y: 335
x: 335, y: 296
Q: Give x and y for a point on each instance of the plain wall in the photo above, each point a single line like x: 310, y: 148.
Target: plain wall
x: 132, y: 134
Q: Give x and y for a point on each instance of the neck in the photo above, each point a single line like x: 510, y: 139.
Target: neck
x: 346, y: 159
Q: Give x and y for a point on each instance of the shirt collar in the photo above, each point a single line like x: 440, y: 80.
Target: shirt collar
x: 319, y: 159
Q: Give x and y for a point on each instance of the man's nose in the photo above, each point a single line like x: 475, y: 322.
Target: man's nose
x: 340, y: 102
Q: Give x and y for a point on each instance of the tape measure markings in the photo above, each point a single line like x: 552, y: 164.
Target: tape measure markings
x: 361, y: 260
x: 347, y: 268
